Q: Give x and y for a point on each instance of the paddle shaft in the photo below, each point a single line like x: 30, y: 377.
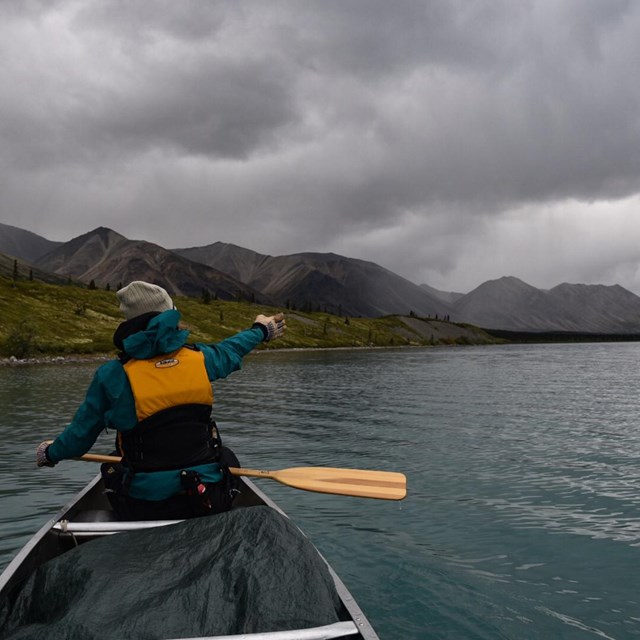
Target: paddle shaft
x: 383, y: 485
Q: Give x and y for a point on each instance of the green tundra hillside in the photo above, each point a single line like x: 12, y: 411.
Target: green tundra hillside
x: 39, y: 319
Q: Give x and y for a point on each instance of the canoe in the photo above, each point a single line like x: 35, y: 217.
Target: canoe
x: 88, y: 516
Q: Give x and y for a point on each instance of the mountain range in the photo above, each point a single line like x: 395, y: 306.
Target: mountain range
x: 106, y: 257
x: 318, y: 281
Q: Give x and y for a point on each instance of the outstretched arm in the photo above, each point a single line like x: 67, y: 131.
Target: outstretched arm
x: 226, y: 356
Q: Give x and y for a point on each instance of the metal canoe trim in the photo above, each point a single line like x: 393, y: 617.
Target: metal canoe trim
x: 102, y: 528
x: 336, y: 630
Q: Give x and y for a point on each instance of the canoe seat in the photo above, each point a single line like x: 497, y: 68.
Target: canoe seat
x: 95, y: 528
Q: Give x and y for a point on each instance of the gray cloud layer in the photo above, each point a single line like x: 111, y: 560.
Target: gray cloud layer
x: 450, y: 141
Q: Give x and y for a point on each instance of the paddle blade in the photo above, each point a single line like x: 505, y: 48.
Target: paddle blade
x: 383, y: 485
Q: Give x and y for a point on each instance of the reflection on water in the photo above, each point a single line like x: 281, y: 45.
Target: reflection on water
x: 523, y: 513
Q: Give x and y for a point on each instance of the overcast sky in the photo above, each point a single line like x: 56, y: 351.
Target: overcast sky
x: 451, y: 141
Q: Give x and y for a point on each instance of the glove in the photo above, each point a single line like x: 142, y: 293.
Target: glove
x: 273, y: 326
x: 41, y: 455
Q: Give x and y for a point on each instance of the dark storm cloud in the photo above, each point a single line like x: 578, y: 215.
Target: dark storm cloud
x: 136, y: 20
x: 419, y: 134
x: 136, y: 93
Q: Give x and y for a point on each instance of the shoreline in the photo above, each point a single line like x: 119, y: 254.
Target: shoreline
x: 12, y: 361
x: 503, y: 339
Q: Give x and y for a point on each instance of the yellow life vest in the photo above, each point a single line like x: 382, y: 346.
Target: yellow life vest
x: 168, y: 381
x: 173, y: 400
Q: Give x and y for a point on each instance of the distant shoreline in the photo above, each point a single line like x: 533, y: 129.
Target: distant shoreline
x: 520, y: 337
x: 508, y: 337
x: 12, y: 361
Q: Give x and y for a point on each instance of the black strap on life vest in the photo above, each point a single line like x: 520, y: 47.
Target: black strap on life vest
x: 178, y: 437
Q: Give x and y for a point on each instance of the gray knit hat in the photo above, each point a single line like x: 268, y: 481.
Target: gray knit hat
x: 141, y: 297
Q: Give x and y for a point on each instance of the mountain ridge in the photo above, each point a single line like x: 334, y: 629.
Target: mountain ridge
x: 108, y: 258
x: 328, y: 281
x: 23, y: 244
x: 322, y: 281
x: 509, y: 303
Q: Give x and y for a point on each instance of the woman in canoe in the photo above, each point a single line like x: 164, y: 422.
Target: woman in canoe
x: 158, y: 397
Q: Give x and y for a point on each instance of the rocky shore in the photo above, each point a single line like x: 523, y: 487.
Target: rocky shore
x: 12, y: 361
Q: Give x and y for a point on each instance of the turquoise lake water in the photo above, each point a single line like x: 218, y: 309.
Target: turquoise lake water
x: 523, y: 467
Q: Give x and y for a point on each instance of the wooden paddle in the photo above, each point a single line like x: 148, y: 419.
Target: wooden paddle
x: 384, y: 485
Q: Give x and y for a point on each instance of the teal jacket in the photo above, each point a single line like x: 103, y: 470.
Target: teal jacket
x: 109, y: 402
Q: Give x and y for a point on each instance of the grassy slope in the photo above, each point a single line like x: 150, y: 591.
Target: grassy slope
x: 43, y: 319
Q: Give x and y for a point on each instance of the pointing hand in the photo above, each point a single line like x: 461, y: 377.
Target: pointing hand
x: 274, y: 326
